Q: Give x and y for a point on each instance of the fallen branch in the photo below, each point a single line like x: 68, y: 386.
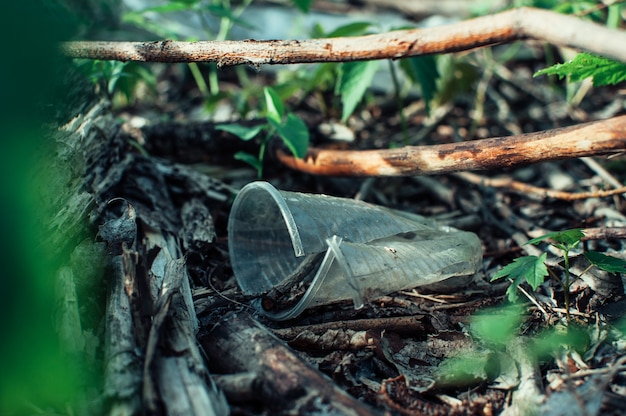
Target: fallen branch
x: 240, y: 345
x: 587, y: 139
x: 505, y: 27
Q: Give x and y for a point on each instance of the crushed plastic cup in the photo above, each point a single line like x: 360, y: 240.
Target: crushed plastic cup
x: 296, y: 251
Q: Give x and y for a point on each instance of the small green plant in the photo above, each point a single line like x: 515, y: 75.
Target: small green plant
x: 119, y: 80
x: 603, y: 71
x: 492, y: 330
x: 533, y: 269
x: 286, y: 125
x: 495, y: 332
x: 349, y: 81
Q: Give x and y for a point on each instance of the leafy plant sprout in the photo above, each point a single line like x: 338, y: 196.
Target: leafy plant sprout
x: 288, y: 126
x: 533, y: 269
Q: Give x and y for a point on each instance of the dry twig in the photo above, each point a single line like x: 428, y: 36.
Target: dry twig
x: 530, y: 190
x: 509, y: 26
x: 595, y: 138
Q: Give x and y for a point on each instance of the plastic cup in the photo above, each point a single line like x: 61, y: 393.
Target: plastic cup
x: 342, y: 248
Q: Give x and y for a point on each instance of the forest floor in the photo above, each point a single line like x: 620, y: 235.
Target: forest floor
x: 395, y: 371
x: 395, y: 368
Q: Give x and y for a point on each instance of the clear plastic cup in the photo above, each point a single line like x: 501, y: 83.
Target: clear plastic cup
x: 340, y: 248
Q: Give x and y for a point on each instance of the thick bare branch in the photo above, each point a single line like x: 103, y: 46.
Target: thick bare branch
x: 508, y: 26
x: 595, y: 138
x: 239, y: 344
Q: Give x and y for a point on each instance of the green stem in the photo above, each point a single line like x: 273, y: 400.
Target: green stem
x: 197, y: 76
x: 566, y: 283
x: 614, y: 15
x: 214, y: 82
x: 396, y: 87
x: 226, y: 24
x: 261, y: 156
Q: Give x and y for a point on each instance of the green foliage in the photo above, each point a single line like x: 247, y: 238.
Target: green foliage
x: 36, y: 375
x: 422, y: 70
x: 563, y: 240
x: 603, y: 71
x: 463, y: 370
x: 492, y: 329
x: 492, y: 356
x: 117, y: 78
x: 275, y: 109
x: 355, y: 78
x: 531, y: 269
x: 496, y: 326
x: 294, y: 134
x: 607, y: 263
x: 586, y: 8
x: 290, y: 128
x: 140, y: 18
x: 553, y: 341
x: 352, y: 79
x: 243, y: 132
x: 303, y: 5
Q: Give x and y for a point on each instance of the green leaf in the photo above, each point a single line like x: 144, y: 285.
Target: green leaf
x: 422, y: 70
x: 243, y: 132
x: 498, y: 325
x: 466, y: 369
x: 303, y: 5
x: 584, y: 65
x: 227, y: 13
x: 139, y: 20
x: 531, y: 269
x: 294, y: 134
x: 565, y: 240
x: 353, y: 82
x: 351, y: 29
x: 249, y: 159
x: 607, y: 263
x: 171, y: 6
x: 549, y: 342
x: 274, y: 105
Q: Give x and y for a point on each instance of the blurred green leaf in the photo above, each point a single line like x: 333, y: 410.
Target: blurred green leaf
x: 466, y: 369
x: 250, y: 159
x: 351, y: 29
x: 607, y: 263
x: 584, y: 65
x: 422, y: 70
x: 220, y: 10
x: 275, y: 110
x: 558, y: 338
x: 355, y: 78
x: 243, y: 132
x: 139, y: 20
x: 294, y: 134
x: 171, y: 6
x: 303, y: 5
x: 497, y: 326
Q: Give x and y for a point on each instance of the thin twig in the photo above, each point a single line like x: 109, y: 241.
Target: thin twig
x: 530, y: 190
x: 534, y: 301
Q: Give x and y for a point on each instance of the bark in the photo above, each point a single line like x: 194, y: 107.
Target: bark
x: 239, y: 344
x: 509, y: 26
x: 595, y: 138
x: 151, y: 359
